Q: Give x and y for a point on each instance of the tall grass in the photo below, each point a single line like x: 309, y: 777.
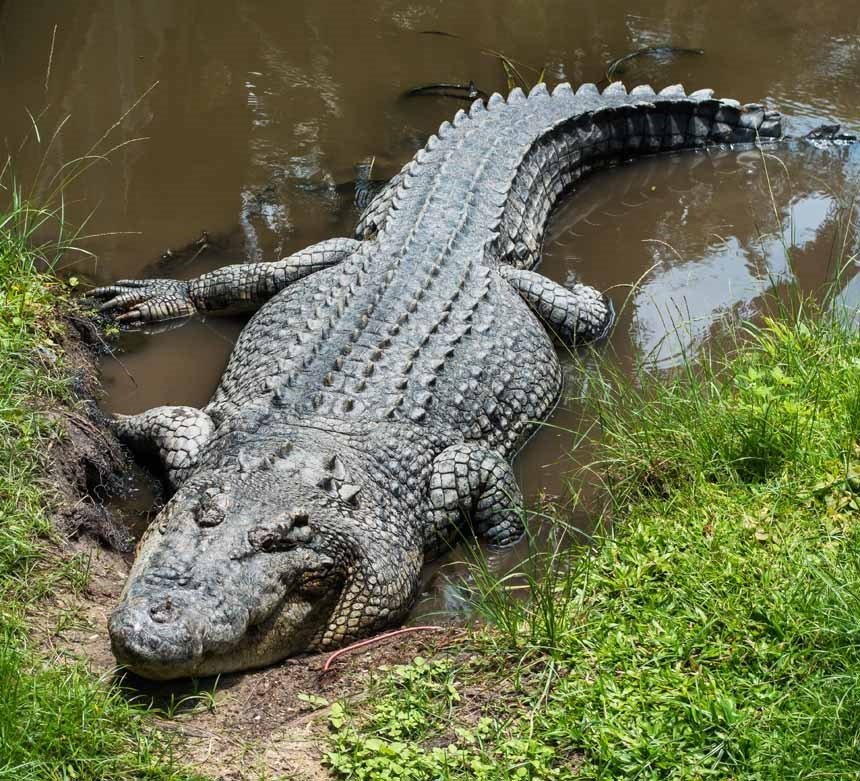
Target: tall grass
x: 57, y: 721
x: 530, y: 606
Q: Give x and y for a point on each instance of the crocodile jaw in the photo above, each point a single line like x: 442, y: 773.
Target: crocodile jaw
x: 287, y: 632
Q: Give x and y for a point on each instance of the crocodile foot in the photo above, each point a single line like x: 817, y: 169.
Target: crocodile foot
x: 142, y: 301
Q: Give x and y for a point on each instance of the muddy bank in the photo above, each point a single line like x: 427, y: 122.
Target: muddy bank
x: 84, y: 462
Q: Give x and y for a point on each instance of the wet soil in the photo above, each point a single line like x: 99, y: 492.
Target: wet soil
x: 85, y: 463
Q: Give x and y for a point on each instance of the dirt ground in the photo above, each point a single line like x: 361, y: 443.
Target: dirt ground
x: 256, y: 725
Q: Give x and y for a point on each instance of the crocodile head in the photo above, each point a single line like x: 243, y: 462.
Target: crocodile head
x: 234, y: 572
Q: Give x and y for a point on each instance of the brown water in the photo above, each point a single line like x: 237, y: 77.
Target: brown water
x: 260, y: 111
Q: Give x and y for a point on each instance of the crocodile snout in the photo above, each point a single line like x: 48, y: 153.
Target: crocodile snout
x: 155, y: 638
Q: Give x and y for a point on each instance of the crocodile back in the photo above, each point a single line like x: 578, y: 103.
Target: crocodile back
x: 417, y: 329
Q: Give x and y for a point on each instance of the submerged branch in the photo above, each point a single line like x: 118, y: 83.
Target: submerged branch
x: 649, y: 51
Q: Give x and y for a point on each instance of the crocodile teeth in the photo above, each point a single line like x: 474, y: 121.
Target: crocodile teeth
x: 673, y: 91
x: 539, y: 91
x: 562, y: 89
x: 587, y: 89
x: 495, y: 100
x: 477, y: 107
x: 516, y: 95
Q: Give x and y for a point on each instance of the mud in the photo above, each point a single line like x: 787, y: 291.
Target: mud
x: 85, y: 465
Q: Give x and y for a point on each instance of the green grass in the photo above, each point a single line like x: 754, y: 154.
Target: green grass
x: 714, y: 632
x: 57, y: 721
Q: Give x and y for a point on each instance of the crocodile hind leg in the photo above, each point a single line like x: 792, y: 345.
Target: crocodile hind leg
x: 579, y: 315
x: 473, y: 481
x: 174, y: 434
x: 241, y: 287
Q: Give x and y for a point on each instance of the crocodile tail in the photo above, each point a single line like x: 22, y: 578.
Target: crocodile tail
x: 587, y: 130
x: 513, y: 157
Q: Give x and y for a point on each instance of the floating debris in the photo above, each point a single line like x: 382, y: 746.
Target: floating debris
x: 468, y: 91
x: 648, y: 51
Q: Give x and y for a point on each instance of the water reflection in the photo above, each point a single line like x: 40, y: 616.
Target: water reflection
x: 704, y: 236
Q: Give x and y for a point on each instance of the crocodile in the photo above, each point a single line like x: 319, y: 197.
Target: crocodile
x: 372, y: 405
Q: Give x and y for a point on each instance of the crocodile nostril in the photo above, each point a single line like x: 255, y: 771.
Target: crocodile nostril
x: 163, y: 613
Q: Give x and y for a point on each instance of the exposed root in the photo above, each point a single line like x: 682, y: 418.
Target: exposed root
x: 377, y: 639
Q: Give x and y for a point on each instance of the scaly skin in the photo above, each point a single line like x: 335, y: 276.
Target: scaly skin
x: 372, y: 406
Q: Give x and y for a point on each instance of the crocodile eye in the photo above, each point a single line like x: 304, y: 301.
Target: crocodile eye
x: 282, y: 536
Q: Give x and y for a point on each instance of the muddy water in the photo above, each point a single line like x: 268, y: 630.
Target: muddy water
x: 254, y: 115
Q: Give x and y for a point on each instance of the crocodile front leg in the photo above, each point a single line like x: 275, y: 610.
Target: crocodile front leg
x: 579, y: 315
x: 175, y: 434
x: 472, y: 481
x: 241, y: 287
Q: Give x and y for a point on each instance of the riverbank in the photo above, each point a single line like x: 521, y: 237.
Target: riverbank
x: 57, y: 719
x: 715, y: 632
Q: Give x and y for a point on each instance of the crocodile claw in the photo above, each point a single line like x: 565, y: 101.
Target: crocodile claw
x: 143, y: 301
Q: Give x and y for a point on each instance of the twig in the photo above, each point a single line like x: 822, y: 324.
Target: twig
x: 108, y: 348
x: 441, y: 33
x: 377, y: 639
x: 614, y: 65
x: 50, y: 58
x: 441, y: 89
